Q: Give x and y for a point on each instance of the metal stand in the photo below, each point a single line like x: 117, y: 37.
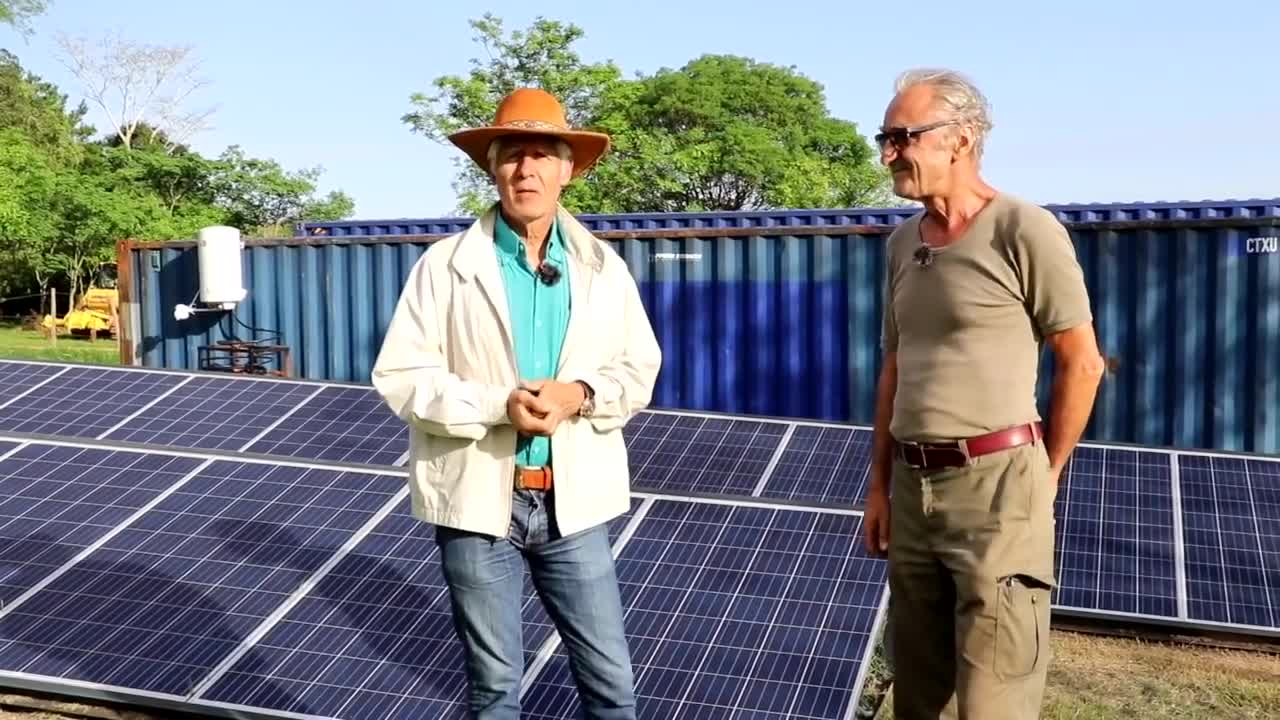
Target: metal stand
x: 245, y: 357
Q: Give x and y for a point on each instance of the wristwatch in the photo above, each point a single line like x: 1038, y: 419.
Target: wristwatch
x: 589, y: 402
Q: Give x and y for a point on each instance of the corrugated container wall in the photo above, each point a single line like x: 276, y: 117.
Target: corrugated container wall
x: 779, y: 313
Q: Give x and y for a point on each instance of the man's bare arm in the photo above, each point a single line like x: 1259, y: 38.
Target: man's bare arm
x: 882, y: 442
x: 1078, y: 368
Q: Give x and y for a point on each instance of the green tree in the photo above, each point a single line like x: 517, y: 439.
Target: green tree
x: 730, y: 133
x: 541, y: 56
x: 258, y: 194
x: 37, y: 109
x: 28, y: 184
x: 92, y: 214
x: 18, y: 13
x: 720, y: 133
x: 66, y: 199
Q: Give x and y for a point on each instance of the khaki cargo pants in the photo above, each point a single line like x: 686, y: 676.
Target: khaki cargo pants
x: 970, y: 571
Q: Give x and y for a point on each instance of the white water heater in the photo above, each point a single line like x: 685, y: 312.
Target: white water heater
x: 221, y: 275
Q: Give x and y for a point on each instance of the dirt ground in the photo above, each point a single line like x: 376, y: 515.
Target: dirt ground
x: 14, y: 706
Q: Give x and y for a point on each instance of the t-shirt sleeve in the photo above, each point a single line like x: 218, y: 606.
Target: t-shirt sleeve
x: 889, y: 326
x: 1052, y: 280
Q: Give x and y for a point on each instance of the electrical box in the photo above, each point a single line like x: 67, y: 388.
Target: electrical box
x: 221, y: 274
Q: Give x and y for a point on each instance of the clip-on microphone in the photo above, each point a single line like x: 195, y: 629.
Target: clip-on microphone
x: 549, y: 274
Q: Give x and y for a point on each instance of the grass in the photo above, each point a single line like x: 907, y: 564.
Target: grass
x: 1106, y: 678
x: 22, y: 343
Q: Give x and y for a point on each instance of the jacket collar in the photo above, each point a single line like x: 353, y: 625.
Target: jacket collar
x: 476, y: 254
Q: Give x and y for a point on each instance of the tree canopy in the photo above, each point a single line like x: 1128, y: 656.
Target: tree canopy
x: 67, y: 194
x: 720, y: 133
x: 18, y: 13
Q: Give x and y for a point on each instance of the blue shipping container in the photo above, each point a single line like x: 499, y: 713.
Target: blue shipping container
x: 779, y: 313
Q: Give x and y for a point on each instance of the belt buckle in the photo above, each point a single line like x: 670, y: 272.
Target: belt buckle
x: 924, y: 450
x: 521, y: 471
x: 914, y: 455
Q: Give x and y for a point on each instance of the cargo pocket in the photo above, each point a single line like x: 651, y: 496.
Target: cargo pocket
x: 1022, y: 626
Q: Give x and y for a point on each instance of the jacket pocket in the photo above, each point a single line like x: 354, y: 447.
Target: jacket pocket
x: 1022, y: 626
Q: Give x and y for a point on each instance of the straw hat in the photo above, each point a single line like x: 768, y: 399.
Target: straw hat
x: 530, y: 111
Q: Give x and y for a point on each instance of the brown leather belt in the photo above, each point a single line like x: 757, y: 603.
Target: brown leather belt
x: 960, y: 452
x: 533, y: 478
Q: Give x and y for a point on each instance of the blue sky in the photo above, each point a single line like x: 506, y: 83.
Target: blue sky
x: 1093, y: 101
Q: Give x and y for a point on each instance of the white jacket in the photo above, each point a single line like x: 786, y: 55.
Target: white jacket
x: 447, y: 366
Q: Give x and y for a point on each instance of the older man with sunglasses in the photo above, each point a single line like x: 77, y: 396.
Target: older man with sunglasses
x: 976, y: 284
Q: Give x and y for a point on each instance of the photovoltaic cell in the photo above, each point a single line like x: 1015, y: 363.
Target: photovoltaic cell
x: 18, y: 377
x: 374, y: 639
x: 341, y: 424
x: 55, y: 501
x: 738, y: 612
x: 214, y: 413
x: 161, y: 603
x: 695, y: 453
x: 823, y: 464
x: 85, y: 402
x: 1115, y: 533
x: 1231, y: 526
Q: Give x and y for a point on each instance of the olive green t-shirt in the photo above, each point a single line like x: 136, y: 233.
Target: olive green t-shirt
x: 968, y: 327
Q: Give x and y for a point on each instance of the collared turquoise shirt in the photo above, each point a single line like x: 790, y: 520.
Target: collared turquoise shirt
x: 539, y: 319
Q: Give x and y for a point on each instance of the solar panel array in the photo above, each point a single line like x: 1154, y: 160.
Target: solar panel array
x: 240, y: 544
x: 738, y: 611
x: 245, y: 544
x: 328, y: 422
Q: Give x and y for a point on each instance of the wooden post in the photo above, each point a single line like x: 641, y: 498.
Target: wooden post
x: 53, y: 310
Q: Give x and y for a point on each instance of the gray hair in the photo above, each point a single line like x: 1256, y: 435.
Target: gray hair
x: 562, y: 149
x: 957, y: 95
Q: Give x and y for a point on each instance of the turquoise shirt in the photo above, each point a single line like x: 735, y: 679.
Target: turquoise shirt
x: 539, y: 318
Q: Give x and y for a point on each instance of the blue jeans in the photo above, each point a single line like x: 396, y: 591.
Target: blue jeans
x: 575, y: 578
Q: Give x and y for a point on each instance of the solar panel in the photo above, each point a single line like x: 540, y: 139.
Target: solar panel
x: 1231, y: 526
x: 341, y: 424
x: 375, y: 634
x: 700, y: 453
x: 85, y: 402
x: 1115, y: 533
x: 160, y: 603
x: 373, y: 639
x: 18, y: 377
x: 213, y: 413
x: 756, y: 611
x: 820, y: 463
x: 733, y: 607
x: 55, y: 501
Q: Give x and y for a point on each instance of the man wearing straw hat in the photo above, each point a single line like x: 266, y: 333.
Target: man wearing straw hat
x: 518, y: 350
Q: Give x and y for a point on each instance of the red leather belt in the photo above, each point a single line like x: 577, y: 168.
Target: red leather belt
x: 959, y: 453
x: 533, y: 478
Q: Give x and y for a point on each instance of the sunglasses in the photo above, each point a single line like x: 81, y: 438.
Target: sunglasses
x: 902, y: 137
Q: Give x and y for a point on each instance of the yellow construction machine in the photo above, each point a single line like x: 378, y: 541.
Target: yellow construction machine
x: 97, y: 312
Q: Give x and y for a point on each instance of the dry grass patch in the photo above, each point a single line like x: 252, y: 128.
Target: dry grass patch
x: 1106, y: 678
